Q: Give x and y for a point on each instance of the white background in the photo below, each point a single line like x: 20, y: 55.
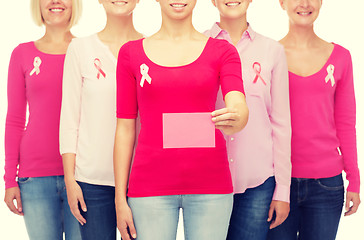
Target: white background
x: 339, y: 22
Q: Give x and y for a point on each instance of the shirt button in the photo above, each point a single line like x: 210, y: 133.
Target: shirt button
x: 231, y: 160
x: 232, y: 139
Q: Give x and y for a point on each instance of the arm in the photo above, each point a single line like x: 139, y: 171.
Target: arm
x: 123, y: 151
x: 234, y: 116
x: 345, y: 120
x: 281, y: 132
x: 14, y: 129
x: 69, y: 125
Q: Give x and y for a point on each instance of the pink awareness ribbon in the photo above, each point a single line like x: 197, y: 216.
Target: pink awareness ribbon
x: 37, y: 62
x: 98, y: 66
x: 258, y: 69
x: 330, y: 74
x: 145, y: 76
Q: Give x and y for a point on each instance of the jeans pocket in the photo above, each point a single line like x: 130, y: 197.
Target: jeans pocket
x: 22, y: 180
x: 333, y: 183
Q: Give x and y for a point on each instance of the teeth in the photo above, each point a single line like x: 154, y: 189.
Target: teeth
x: 56, y: 9
x: 233, y: 4
x: 304, y: 13
x: 178, y: 5
x: 119, y: 3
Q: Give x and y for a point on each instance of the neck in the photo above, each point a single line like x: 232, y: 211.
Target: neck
x: 176, y: 29
x: 235, y: 27
x: 301, y: 36
x: 57, y: 35
x: 118, y: 29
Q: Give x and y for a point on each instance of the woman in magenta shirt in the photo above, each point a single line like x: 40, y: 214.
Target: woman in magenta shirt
x: 323, y: 129
x: 171, y: 80
x: 33, y: 164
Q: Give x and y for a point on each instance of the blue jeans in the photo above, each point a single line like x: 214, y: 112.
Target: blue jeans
x: 316, y: 206
x: 46, y: 211
x: 250, y: 212
x: 205, y: 216
x: 101, y: 215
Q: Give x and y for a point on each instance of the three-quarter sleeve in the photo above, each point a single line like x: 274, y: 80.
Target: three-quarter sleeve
x: 16, y: 117
x: 345, y: 120
x: 126, y: 89
x: 71, y: 101
x: 230, y: 69
x: 280, y: 118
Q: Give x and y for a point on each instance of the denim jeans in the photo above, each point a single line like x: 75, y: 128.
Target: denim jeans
x: 101, y: 215
x: 316, y: 206
x: 250, y: 212
x: 205, y: 216
x: 46, y: 211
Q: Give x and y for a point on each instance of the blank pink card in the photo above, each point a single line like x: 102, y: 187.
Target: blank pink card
x: 188, y: 130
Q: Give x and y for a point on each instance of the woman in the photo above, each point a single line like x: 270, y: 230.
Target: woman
x: 180, y: 160
x: 88, y: 121
x: 35, y: 79
x: 323, y: 128
x: 259, y: 156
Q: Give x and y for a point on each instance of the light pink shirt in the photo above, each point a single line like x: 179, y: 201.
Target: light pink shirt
x: 263, y: 148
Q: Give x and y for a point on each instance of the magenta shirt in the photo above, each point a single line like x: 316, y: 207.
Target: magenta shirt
x: 263, y: 148
x: 34, y: 79
x: 184, y: 89
x: 323, y: 121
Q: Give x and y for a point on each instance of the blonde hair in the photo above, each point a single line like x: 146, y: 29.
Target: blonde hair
x: 38, y: 18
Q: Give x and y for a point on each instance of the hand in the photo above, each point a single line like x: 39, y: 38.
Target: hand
x: 12, y: 194
x: 281, y: 209
x: 355, y: 199
x: 75, y: 196
x: 125, y: 222
x: 227, y: 120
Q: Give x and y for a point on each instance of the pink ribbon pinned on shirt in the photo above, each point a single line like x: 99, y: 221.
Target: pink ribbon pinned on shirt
x: 330, y: 75
x: 258, y: 69
x: 98, y: 66
x: 37, y: 62
x: 145, y: 76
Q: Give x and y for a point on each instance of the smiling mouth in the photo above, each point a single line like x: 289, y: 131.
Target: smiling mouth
x: 56, y: 10
x: 304, y: 13
x: 232, y: 4
x: 178, y: 5
x: 119, y: 3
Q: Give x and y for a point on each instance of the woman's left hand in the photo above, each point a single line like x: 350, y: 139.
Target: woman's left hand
x: 354, y: 198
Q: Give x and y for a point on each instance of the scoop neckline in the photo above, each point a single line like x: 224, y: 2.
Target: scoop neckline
x: 44, y: 53
x: 322, y: 68
x: 181, y: 66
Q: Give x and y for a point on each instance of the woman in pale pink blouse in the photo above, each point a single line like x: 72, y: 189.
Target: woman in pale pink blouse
x: 259, y: 156
x: 323, y: 129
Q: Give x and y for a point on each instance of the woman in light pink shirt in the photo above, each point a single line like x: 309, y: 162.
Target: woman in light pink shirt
x: 259, y: 156
x: 323, y: 129
x: 33, y: 164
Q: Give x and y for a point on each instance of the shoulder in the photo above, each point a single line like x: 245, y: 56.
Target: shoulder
x: 24, y: 47
x: 221, y: 47
x: 133, y: 46
x: 341, y: 52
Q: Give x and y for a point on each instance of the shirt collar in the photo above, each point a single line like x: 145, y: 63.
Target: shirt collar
x: 216, y: 31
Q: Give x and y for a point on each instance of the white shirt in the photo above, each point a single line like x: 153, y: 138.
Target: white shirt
x: 88, y: 112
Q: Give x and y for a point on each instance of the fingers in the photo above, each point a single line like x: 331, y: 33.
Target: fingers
x: 127, y: 231
x: 270, y: 214
x: 355, y: 200
x: 76, y: 210
x: 225, y: 117
x: 132, y: 230
x: 12, y: 194
x: 277, y: 221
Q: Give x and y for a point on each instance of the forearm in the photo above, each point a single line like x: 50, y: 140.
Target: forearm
x: 69, y: 163
x: 123, y: 153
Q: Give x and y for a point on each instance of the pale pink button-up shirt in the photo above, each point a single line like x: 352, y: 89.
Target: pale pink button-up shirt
x: 263, y: 148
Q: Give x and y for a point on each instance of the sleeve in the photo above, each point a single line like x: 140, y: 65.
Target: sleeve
x: 71, y: 101
x: 345, y: 120
x: 230, y: 69
x: 126, y: 89
x: 280, y: 118
x: 15, y: 119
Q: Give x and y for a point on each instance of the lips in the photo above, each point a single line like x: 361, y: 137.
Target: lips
x: 119, y: 3
x: 56, y: 10
x: 232, y: 4
x: 304, y: 13
x: 178, y: 5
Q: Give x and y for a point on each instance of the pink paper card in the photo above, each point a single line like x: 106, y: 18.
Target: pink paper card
x: 188, y: 130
